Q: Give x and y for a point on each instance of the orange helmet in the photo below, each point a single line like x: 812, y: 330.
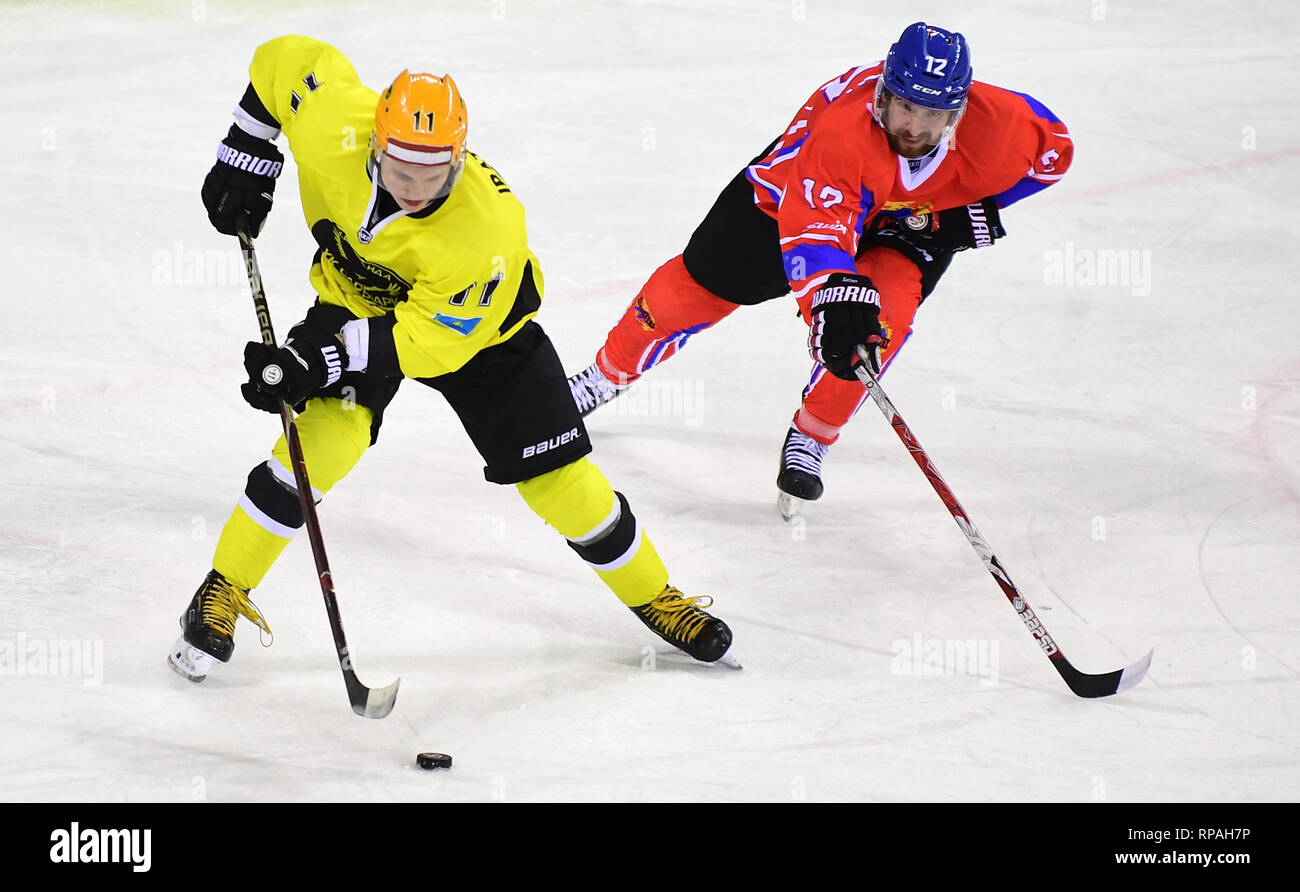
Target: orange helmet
x: 421, y: 119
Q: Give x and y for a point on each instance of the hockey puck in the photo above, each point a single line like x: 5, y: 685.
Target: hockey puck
x: 430, y: 761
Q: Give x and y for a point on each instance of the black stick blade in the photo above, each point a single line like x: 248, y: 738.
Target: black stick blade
x: 1106, y: 684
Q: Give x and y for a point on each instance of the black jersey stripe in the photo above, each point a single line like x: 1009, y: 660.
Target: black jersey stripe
x: 252, y: 105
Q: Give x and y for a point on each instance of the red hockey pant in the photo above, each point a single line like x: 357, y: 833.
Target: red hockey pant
x: 672, y: 307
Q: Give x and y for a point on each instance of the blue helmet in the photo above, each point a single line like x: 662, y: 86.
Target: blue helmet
x: 929, y: 67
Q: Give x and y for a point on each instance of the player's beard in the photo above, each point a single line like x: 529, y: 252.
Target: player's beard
x: 918, y: 149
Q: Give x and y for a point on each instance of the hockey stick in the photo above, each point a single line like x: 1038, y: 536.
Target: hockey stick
x: 373, y: 703
x: 1082, y: 683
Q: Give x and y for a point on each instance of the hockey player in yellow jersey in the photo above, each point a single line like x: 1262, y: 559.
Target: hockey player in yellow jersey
x: 423, y: 271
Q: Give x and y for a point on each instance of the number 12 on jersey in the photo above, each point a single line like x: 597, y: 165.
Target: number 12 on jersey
x: 828, y: 196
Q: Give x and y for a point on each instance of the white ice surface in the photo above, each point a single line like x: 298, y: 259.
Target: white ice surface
x: 1129, y: 448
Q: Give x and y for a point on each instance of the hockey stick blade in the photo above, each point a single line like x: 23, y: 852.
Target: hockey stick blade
x: 1082, y: 684
x: 370, y: 703
x: 1105, y: 684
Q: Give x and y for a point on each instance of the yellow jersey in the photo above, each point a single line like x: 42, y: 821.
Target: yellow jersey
x: 456, y: 276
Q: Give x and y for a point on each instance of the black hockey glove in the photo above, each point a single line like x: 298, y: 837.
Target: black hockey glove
x: 309, y: 361
x: 975, y: 225
x: 846, y: 314
x: 242, y: 182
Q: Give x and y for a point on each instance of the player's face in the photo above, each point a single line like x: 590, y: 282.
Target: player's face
x: 913, y: 131
x: 412, y: 185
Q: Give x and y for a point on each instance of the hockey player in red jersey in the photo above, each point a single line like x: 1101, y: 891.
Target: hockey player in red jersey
x: 856, y: 211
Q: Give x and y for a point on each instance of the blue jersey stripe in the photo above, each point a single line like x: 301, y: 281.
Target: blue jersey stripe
x: 1022, y: 189
x: 813, y: 259
x: 868, y: 205
x: 1039, y: 109
x: 754, y: 181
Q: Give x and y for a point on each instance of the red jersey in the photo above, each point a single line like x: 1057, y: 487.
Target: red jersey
x: 833, y: 171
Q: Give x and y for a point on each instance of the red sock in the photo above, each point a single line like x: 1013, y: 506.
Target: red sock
x: 829, y: 402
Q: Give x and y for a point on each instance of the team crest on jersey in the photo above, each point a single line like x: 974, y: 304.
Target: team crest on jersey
x: 377, y: 284
x: 916, y: 210
x: 643, y: 317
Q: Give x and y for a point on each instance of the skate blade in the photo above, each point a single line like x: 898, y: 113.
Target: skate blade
x: 789, y: 506
x: 681, y: 658
x: 730, y: 660
x: 175, y: 667
x: 189, y: 662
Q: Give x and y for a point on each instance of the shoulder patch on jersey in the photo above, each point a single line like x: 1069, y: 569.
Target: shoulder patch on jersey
x: 458, y: 323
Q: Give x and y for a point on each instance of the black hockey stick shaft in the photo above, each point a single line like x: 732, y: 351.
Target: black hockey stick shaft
x: 1081, y: 683
x: 374, y: 703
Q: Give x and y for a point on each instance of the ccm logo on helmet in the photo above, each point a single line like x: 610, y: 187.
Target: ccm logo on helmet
x: 261, y: 166
x: 553, y: 443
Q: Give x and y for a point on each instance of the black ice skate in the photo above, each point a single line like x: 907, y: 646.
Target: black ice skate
x: 591, y: 389
x: 679, y: 621
x: 208, y: 627
x: 800, y: 477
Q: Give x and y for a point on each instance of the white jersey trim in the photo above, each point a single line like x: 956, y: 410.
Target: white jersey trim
x: 356, y: 341
x: 254, y: 127
x: 365, y: 234
x: 912, y: 181
x: 820, y: 236
x: 815, y: 282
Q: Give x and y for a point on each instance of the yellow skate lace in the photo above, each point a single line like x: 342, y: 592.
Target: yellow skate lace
x: 224, y: 602
x: 676, y: 615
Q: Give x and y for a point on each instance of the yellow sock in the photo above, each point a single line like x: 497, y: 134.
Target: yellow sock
x: 246, y: 550
x: 642, y: 578
x: 580, y: 504
x: 334, y: 436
